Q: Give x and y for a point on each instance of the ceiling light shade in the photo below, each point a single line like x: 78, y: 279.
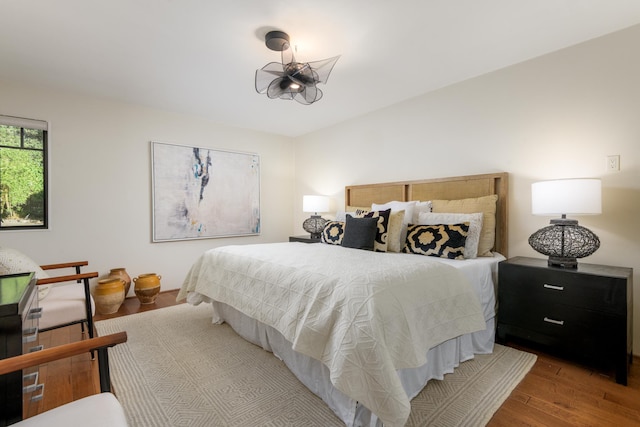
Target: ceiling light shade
x: 314, y: 224
x: 564, y: 240
x: 290, y: 79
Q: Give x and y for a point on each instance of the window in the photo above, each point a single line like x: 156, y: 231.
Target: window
x: 23, y: 173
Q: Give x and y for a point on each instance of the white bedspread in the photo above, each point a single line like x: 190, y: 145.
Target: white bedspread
x: 362, y: 314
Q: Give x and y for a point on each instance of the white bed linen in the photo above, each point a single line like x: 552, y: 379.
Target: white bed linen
x: 318, y: 299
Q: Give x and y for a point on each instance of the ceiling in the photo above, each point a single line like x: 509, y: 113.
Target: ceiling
x: 199, y: 56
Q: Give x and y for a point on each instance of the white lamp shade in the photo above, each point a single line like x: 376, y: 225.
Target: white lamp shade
x: 315, y: 204
x: 567, y: 196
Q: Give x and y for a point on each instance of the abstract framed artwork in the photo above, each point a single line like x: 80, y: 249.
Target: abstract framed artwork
x: 203, y: 193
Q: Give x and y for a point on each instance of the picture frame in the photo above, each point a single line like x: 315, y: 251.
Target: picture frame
x: 203, y: 193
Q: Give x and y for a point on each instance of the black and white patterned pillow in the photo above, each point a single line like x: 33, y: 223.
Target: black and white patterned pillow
x: 441, y: 240
x: 380, y: 245
x: 332, y: 233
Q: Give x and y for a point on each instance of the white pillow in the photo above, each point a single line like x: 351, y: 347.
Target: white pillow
x: 420, y: 208
x: 475, y: 226
x: 396, y: 206
x: 13, y: 261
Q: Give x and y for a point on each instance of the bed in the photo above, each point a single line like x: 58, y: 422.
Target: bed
x: 365, y: 330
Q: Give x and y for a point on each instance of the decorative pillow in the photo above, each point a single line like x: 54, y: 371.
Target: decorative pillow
x: 418, y: 209
x: 333, y: 233
x: 357, y: 209
x: 360, y: 233
x: 484, y: 204
x: 396, y: 225
x: 475, y: 226
x: 342, y: 216
x: 395, y: 206
x: 441, y: 240
x: 13, y: 261
x: 380, y: 245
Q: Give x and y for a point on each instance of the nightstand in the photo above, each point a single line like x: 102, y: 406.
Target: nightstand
x: 584, y: 313
x: 305, y: 238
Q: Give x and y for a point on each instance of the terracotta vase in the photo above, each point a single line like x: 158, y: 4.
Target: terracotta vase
x: 108, y: 295
x: 121, y: 273
x: 147, y: 287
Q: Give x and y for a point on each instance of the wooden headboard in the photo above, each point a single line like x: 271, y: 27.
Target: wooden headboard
x: 453, y: 188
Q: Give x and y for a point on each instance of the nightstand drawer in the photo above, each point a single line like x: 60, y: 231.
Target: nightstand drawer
x: 566, y: 324
x: 556, y: 286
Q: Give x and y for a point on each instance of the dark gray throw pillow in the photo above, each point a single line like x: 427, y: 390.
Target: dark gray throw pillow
x: 360, y: 233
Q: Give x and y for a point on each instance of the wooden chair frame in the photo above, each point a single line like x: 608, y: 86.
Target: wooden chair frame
x: 79, y: 277
x: 99, y: 344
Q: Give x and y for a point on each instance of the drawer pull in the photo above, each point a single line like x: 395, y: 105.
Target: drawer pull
x: 31, y: 387
x: 37, y: 397
x: 554, y: 287
x: 36, y: 348
x: 35, y: 313
x: 30, y: 335
x: 555, y: 322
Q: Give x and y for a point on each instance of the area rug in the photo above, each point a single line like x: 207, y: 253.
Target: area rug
x: 179, y: 369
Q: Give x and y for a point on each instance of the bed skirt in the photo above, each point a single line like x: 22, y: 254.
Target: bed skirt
x: 441, y: 360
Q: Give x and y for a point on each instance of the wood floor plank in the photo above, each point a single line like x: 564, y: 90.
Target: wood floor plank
x: 514, y: 413
x: 575, y: 404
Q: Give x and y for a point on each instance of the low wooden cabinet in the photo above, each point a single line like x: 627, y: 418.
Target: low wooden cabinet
x: 19, y: 315
x: 584, y: 313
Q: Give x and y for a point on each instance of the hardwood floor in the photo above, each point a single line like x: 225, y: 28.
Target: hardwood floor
x: 76, y: 377
x: 554, y: 393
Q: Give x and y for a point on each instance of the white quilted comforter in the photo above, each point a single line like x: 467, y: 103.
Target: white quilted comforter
x: 363, y: 314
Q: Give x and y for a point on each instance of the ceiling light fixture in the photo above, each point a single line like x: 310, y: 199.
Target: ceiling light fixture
x: 290, y: 79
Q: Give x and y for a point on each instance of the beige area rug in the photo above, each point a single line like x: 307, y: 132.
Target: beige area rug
x: 179, y: 369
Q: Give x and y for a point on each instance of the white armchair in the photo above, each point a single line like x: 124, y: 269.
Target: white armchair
x: 69, y: 304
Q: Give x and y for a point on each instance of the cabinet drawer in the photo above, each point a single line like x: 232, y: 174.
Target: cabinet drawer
x: 596, y: 293
x: 566, y: 323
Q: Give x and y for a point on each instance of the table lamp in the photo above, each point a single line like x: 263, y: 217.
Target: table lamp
x: 314, y: 224
x: 564, y: 240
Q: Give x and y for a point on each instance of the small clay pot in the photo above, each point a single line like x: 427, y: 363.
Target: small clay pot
x: 121, y: 273
x: 147, y: 287
x: 108, y: 295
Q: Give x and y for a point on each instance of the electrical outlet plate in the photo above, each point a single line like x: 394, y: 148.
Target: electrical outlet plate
x: 613, y: 163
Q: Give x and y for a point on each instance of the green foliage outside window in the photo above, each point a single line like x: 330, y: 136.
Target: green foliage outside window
x: 22, y: 178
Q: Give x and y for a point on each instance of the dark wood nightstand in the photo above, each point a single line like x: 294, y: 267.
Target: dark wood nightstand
x: 305, y: 238
x: 584, y: 313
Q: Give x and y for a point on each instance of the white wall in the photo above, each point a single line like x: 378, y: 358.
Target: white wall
x: 100, y: 182
x: 557, y: 116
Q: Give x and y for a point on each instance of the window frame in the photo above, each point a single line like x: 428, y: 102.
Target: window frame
x: 22, y: 124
